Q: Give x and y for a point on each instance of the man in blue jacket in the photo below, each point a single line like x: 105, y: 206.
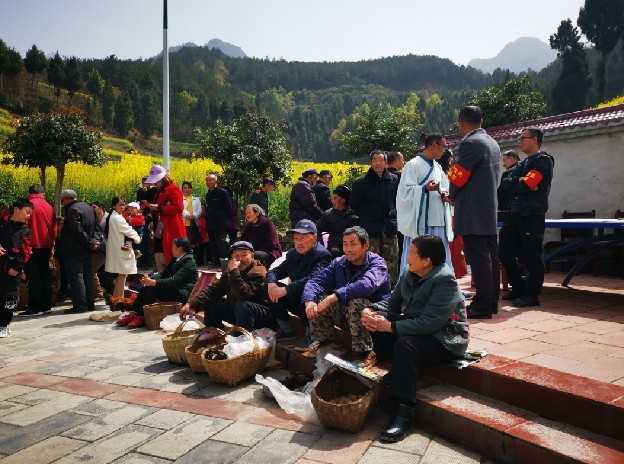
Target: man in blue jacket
x: 337, y: 294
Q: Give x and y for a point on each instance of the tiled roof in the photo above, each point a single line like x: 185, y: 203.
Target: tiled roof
x: 553, y: 124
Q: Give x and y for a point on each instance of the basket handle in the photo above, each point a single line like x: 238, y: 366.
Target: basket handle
x: 178, y: 330
x: 236, y: 328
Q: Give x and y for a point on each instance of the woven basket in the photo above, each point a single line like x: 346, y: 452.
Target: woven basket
x: 156, y: 312
x: 233, y: 371
x: 349, y: 416
x: 175, y: 343
x: 194, y: 359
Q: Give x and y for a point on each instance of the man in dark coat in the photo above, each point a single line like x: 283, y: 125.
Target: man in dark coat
x: 505, y: 189
x: 338, y: 219
x: 218, y: 217
x: 374, y: 201
x: 322, y: 191
x: 74, y: 248
x: 522, y: 234
x: 474, y: 179
x: 303, y: 203
x: 261, y: 197
x: 303, y: 261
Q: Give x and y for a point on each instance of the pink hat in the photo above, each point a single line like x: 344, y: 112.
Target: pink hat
x: 156, y: 174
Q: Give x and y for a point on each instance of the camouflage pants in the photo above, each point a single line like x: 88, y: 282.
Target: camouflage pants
x: 388, y: 248
x: 349, y: 316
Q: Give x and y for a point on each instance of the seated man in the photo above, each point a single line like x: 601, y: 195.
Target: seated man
x: 422, y: 324
x: 238, y: 296
x: 302, y: 262
x: 337, y: 294
x: 175, y: 283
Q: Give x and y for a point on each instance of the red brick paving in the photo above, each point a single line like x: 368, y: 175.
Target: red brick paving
x: 86, y: 387
x: 35, y: 380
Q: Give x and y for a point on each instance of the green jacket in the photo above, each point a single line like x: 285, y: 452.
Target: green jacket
x: 430, y: 305
x: 180, y: 275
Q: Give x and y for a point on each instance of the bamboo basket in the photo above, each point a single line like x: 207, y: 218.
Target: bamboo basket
x: 156, y: 312
x: 194, y: 359
x: 175, y: 343
x: 349, y: 416
x: 233, y: 371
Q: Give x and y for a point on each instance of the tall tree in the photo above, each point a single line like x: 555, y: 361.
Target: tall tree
x: 570, y: 90
x: 10, y: 62
x: 56, y: 74
x: 35, y: 62
x: 147, y: 118
x: 95, y: 83
x: 73, y: 79
x: 124, y: 119
x: 602, y: 22
x: 108, y: 105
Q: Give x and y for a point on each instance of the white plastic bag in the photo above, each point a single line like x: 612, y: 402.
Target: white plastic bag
x: 238, y: 346
x: 296, y: 403
x: 171, y: 322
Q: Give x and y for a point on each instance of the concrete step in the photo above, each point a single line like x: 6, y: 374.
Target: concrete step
x: 510, y: 434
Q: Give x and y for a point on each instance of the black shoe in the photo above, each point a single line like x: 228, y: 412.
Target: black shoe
x: 510, y: 296
x: 474, y: 313
x: 399, y: 426
x: 74, y: 311
x: 30, y: 312
x: 525, y: 302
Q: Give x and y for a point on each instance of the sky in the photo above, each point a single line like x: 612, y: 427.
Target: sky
x: 318, y: 30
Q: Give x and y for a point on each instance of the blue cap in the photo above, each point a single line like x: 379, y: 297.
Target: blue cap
x: 241, y: 245
x: 305, y: 226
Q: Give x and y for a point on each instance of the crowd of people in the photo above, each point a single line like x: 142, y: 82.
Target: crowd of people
x: 373, y: 258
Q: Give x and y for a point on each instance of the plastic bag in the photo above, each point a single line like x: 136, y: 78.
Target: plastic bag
x: 171, y: 322
x: 238, y: 346
x: 269, y: 336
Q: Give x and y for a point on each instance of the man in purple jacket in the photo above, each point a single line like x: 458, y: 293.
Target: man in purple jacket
x: 337, y: 294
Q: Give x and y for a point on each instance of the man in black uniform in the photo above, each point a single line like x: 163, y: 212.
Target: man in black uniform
x: 338, y: 219
x: 523, y: 231
x: 321, y: 190
x: 218, y: 216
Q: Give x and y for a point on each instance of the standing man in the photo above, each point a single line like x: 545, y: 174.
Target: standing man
x: 474, y: 179
x: 505, y: 189
x: 218, y: 212
x: 374, y: 200
x: 261, y: 197
x: 336, y: 220
x: 321, y: 190
x: 42, y: 230
x: 396, y: 161
x: 74, y: 247
x: 303, y: 203
x: 523, y: 231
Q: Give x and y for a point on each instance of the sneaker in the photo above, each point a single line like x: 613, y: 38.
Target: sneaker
x: 124, y: 320
x: 136, y: 322
x: 4, y: 332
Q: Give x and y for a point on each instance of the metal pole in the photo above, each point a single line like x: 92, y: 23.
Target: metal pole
x: 165, y: 131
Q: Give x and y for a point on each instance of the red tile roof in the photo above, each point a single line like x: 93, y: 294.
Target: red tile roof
x: 553, y: 124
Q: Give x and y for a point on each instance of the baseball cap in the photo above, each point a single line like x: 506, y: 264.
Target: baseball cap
x: 309, y: 172
x: 241, y: 245
x: 304, y: 226
x: 133, y: 204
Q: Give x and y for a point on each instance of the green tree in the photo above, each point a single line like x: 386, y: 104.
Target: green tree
x: 570, y: 90
x: 602, y: 22
x: 35, y: 62
x: 248, y: 148
x: 54, y: 139
x: 510, y: 102
x: 73, y: 79
x: 56, y: 74
x: 108, y: 105
x: 381, y: 126
x: 124, y: 119
x: 95, y: 83
x: 147, y: 119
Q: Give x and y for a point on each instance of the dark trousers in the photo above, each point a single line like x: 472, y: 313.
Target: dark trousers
x: 288, y: 303
x: 80, y: 281
x: 482, y: 254
x: 149, y: 295
x: 39, y: 280
x: 521, y: 240
x: 8, y: 299
x: 246, y: 314
x: 217, y: 248
x: 409, y: 354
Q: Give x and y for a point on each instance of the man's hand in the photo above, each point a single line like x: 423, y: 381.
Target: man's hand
x: 186, y: 311
x: 375, y: 322
x: 146, y: 281
x: 153, y: 207
x: 311, y: 309
x: 2, y: 251
x: 445, y: 197
x: 233, y: 264
x: 324, y: 305
x: 432, y: 186
x: 13, y: 273
x: 276, y: 292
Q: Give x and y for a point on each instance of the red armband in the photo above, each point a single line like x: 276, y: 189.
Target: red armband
x: 458, y: 175
x: 532, y: 179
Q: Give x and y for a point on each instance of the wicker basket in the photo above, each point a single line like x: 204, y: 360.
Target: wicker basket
x: 156, y: 312
x: 175, y: 343
x: 233, y: 371
x: 351, y: 415
x: 194, y: 359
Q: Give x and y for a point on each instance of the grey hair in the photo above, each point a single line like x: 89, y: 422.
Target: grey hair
x: 361, y: 233
x: 256, y: 209
x: 69, y: 193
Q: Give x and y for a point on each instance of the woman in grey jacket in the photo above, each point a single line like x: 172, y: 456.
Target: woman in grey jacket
x: 422, y: 324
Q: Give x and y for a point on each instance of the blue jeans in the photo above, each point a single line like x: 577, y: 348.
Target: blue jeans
x: 80, y: 281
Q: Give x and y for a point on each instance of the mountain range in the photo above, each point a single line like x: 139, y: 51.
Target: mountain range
x: 227, y: 48
x: 520, y: 55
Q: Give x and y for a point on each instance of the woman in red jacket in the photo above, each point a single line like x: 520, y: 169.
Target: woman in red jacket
x: 170, y: 205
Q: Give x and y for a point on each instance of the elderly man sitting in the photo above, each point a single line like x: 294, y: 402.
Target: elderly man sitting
x: 337, y: 294
x: 422, y: 324
x: 239, y: 296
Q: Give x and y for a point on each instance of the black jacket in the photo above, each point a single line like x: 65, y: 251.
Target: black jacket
x: 218, y: 210
x: 303, y: 203
x: 78, y: 229
x: 335, y: 222
x: 530, y: 183
x: 15, y: 239
x: 323, y: 196
x: 260, y: 198
x: 505, y: 191
x: 180, y: 274
x: 299, y: 268
x: 374, y: 200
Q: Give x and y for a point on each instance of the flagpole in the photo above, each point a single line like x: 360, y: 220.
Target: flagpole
x: 165, y: 131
